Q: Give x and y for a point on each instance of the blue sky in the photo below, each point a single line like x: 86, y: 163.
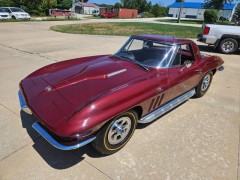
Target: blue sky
x: 163, y: 2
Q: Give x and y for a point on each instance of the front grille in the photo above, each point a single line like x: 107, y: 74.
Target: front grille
x: 4, y: 15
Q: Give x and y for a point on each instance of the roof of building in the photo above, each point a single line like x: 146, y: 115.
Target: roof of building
x: 87, y: 4
x: 196, y: 5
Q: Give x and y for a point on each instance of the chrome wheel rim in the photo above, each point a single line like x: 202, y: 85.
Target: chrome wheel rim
x: 119, y: 130
x: 206, y: 82
x: 228, y: 46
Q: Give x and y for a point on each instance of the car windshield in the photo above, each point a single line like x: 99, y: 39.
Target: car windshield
x: 147, y: 52
x: 16, y: 10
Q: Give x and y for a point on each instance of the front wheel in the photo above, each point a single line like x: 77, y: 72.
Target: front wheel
x: 204, y: 84
x: 115, y: 134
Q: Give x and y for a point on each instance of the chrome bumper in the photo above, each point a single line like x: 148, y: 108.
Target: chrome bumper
x: 221, y: 68
x: 21, y: 100
x: 45, y: 134
x: 56, y: 144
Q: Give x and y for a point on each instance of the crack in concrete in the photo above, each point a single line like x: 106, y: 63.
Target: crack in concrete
x: 9, y: 109
x: 98, y: 169
x: 35, y: 141
x: 27, y: 52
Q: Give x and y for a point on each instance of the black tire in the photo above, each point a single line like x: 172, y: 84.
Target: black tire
x: 204, y: 85
x: 13, y: 17
x: 106, y: 141
x: 228, y: 46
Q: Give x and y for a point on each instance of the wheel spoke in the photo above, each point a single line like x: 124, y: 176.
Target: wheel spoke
x: 119, y: 130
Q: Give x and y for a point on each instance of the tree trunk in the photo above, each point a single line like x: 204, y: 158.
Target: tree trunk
x: 180, y: 11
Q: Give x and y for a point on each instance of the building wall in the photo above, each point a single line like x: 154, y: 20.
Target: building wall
x: 200, y: 14
x: 88, y: 10
x: 121, y: 13
x: 127, y: 13
x: 196, y: 13
x: 173, y: 12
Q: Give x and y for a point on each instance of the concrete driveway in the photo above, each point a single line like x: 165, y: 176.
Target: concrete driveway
x: 197, y: 140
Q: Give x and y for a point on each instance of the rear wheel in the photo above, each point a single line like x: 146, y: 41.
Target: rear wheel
x: 115, y: 134
x: 204, y: 84
x: 228, y: 46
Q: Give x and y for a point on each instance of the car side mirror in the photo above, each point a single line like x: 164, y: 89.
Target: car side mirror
x: 187, y: 64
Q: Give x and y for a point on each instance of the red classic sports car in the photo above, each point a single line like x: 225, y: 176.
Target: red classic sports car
x: 108, y: 15
x: 100, y: 99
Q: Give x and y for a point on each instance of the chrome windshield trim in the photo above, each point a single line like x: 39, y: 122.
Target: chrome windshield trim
x: 172, y: 50
x: 56, y: 144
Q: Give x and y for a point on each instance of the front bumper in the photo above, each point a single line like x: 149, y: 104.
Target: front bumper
x: 49, y: 137
x: 22, y: 100
x: 5, y: 18
x: 56, y: 144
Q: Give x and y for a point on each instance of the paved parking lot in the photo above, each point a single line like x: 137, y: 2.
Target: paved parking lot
x: 197, y: 140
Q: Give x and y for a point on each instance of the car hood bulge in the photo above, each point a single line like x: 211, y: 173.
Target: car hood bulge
x: 82, y: 83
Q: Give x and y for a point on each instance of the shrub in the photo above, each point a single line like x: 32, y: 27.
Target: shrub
x: 210, y: 16
x: 148, y: 15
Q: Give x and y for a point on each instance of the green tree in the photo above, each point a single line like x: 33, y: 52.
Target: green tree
x: 64, y: 4
x: 141, y: 5
x: 117, y: 5
x: 210, y: 15
x: 6, y: 3
x: 148, y: 6
x: 156, y: 10
x: 216, y: 4
x: 47, y: 4
x: 127, y: 3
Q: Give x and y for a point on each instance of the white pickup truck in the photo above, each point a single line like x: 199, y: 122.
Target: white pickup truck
x: 224, y: 37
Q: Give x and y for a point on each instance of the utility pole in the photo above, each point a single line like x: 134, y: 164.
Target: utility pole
x: 180, y: 11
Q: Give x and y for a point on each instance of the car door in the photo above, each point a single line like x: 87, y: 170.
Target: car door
x: 184, y: 71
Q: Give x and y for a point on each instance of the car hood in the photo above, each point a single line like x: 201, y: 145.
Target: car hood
x: 4, y: 13
x: 82, y: 83
x: 56, y: 92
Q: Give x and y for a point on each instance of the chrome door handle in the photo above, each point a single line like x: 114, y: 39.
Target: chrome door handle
x: 198, y: 70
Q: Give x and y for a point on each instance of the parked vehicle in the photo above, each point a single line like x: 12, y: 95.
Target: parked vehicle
x: 95, y: 13
x: 16, y: 13
x: 4, y: 15
x: 100, y: 99
x: 224, y: 37
x: 108, y: 15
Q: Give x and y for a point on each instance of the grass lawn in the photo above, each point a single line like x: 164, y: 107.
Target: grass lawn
x: 129, y: 28
x: 189, y: 21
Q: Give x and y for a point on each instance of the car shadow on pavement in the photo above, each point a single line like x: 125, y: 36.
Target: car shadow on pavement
x: 206, y: 48
x: 54, y: 157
